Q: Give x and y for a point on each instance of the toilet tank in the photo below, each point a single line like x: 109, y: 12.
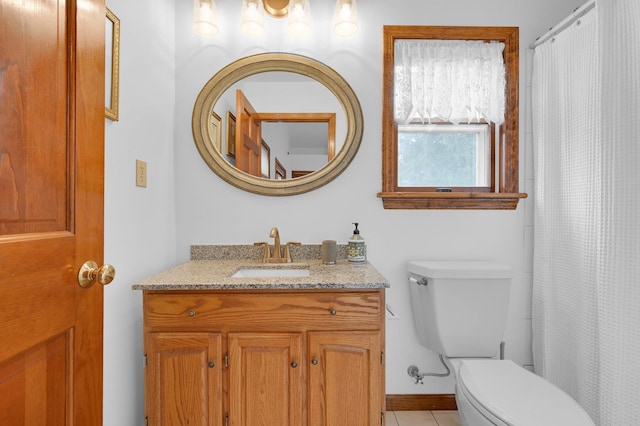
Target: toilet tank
x: 460, y: 307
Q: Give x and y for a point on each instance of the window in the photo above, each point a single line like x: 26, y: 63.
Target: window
x: 458, y: 154
x: 443, y: 157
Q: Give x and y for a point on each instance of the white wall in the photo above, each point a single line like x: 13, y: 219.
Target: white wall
x: 210, y: 211
x: 140, y: 236
x: 163, y: 67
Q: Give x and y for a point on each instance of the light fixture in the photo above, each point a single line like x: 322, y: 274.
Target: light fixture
x: 276, y: 8
x: 299, y: 23
x: 345, y: 18
x: 252, y: 20
x: 205, y: 20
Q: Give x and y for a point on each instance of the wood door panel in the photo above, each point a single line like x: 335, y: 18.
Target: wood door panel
x: 345, y: 387
x: 30, y: 385
x: 55, y: 252
x: 33, y: 118
x: 187, y: 390
x: 51, y: 210
x: 48, y: 311
x: 265, y: 387
x: 248, y: 137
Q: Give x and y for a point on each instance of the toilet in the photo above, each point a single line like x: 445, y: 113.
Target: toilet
x: 460, y: 311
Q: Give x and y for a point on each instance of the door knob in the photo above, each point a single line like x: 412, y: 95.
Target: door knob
x: 90, y: 273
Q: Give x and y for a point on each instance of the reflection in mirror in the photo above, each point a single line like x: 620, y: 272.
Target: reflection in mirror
x: 300, y: 119
x: 300, y: 145
x: 281, y: 172
x: 265, y: 160
x: 264, y: 101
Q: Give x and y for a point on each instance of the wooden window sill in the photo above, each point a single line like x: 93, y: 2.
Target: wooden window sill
x: 451, y: 200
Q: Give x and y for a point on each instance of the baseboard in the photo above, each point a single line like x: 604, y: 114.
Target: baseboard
x: 425, y: 402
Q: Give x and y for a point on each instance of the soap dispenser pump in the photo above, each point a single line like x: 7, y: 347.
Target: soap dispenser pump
x: 357, y: 249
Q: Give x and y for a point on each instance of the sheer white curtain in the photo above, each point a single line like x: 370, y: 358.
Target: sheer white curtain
x: 586, y: 292
x: 567, y: 210
x: 453, y: 80
x: 619, y: 279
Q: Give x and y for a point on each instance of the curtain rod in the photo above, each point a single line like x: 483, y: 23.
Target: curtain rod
x: 578, y: 13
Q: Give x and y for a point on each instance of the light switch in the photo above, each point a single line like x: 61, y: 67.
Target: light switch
x: 141, y: 173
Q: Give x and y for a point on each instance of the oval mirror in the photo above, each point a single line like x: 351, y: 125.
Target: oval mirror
x: 265, y: 174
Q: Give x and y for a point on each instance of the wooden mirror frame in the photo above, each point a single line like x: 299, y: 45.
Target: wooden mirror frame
x: 266, y: 62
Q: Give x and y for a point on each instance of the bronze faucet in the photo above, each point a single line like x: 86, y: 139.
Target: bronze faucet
x: 277, y: 250
x: 277, y: 256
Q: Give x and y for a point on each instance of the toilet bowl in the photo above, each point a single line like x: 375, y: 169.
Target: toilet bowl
x: 499, y: 392
x: 460, y: 311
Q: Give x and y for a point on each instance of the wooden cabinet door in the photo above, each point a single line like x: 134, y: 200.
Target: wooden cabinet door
x: 51, y: 210
x: 265, y: 379
x: 184, y: 379
x: 345, y: 378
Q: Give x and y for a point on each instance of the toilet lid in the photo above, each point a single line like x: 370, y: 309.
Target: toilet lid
x: 516, y: 396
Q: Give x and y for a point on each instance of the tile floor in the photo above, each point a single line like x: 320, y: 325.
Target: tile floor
x: 423, y: 418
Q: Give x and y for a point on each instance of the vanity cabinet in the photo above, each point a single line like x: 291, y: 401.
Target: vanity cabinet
x: 264, y: 357
x: 265, y: 378
x: 183, y: 378
x: 345, y: 378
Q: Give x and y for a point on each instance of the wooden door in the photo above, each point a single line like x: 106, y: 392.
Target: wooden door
x: 248, y: 137
x: 345, y: 378
x: 184, y: 379
x: 265, y: 379
x: 51, y: 210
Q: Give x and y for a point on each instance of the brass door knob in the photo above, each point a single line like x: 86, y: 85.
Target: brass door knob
x: 90, y: 273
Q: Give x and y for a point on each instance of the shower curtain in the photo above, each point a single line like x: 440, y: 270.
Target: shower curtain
x: 586, y: 289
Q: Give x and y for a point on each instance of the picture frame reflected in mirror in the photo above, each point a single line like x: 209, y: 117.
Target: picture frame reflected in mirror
x: 231, y: 135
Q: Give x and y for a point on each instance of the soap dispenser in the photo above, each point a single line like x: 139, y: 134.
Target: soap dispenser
x: 357, y: 252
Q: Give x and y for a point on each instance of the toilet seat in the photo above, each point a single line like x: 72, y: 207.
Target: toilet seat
x: 506, y: 394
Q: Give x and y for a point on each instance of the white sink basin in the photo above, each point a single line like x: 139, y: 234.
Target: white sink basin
x: 270, y: 273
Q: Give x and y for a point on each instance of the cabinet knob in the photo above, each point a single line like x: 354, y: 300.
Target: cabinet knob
x: 294, y: 364
x: 211, y: 364
x: 314, y: 361
x: 191, y: 313
x: 333, y: 312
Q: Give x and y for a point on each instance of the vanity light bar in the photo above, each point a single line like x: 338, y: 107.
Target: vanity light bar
x: 345, y: 17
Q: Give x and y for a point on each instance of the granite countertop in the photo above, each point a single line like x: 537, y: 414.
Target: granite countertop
x: 211, y: 267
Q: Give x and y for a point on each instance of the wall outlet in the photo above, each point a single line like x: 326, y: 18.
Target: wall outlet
x: 141, y: 173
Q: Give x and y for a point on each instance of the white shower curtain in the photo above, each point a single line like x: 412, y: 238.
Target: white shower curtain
x: 586, y: 293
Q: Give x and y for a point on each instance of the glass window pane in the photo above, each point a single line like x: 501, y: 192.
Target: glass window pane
x: 443, y: 156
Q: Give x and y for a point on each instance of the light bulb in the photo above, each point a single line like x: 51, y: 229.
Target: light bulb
x: 299, y: 22
x: 252, y: 22
x: 298, y: 11
x: 345, y: 18
x: 252, y: 10
x: 345, y: 11
x: 204, y: 17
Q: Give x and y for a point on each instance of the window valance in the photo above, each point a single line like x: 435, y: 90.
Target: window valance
x: 452, y: 80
